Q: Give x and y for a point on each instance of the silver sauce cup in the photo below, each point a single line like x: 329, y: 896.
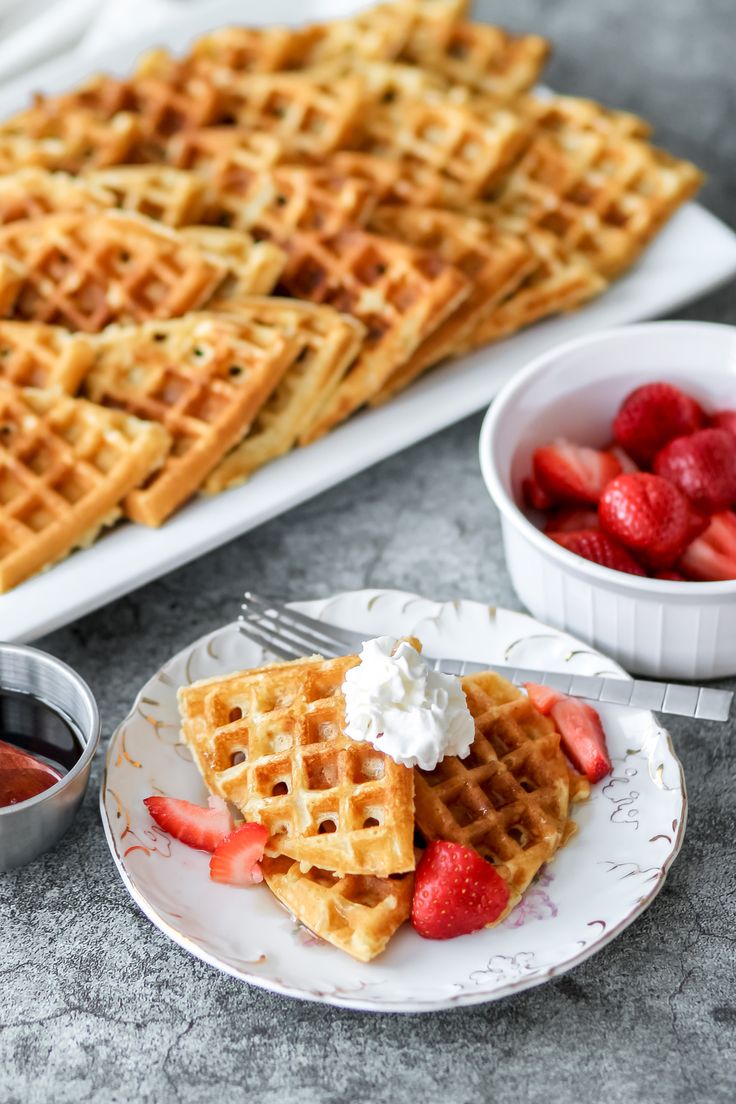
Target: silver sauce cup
x: 31, y: 827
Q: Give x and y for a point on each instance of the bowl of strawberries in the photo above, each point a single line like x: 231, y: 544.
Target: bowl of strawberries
x: 612, y: 460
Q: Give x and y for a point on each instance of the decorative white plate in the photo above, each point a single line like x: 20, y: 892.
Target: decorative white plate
x: 630, y: 832
x: 694, y: 254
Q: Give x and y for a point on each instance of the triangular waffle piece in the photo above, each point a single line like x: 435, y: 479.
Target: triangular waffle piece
x: 275, y: 203
x: 49, y: 357
x: 202, y: 377
x: 33, y: 193
x: 84, y: 271
x: 272, y: 742
x: 509, y: 798
x: 65, y: 464
x: 484, y: 57
x: 70, y: 142
x: 495, y: 263
x: 158, y: 192
x: 447, y: 153
x: 253, y: 266
x: 556, y: 284
x: 328, y: 344
x: 399, y: 293
x: 356, y: 913
x: 310, y: 115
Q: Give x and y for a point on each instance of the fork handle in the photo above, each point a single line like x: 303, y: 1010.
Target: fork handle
x: 677, y: 699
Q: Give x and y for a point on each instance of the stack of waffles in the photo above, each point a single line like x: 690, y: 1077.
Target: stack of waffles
x: 344, y: 819
x: 244, y: 245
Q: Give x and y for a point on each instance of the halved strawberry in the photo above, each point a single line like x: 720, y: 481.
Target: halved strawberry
x: 542, y: 697
x: 627, y: 464
x: 648, y: 515
x: 571, y: 519
x: 191, y: 824
x: 236, y: 860
x: 573, y: 473
x: 651, y: 416
x: 583, y: 738
x: 455, y: 892
x: 712, y: 556
x: 534, y: 497
x: 703, y: 466
x: 598, y: 547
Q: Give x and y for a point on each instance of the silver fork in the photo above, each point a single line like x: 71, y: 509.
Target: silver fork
x: 288, y: 634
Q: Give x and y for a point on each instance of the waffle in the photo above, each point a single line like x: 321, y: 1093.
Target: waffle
x: 65, y: 464
x: 164, y: 194
x: 447, y: 153
x: 356, y: 913
x: 328, y: 343
x: 601, y: 194
x: 84, y: 271
x: 380, y: 174
x: 399, y: 293
x: 485, y: 58
x: 34, y: 355
x: 252, y: 267
x: 213, y: 149
x: 275, y: 203
x: 202, y: 377
x: 33, y: 193
x: 70, y: 142
x: 510, y: 798
x: 494, y: 262
x: 271, y: 741
x: 310, y: 115
x: 571, y: 114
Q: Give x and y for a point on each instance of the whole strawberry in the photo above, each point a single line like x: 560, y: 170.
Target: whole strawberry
x: 648, y: 515
x: 703, y: 466
x: 455, y: 892
x: 598, y: 547
x: 651, y: 416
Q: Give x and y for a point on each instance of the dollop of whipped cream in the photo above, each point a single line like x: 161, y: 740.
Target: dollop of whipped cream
x: 404, y: 708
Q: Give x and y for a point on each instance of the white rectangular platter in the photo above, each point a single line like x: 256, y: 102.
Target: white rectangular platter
x: 693, y: 255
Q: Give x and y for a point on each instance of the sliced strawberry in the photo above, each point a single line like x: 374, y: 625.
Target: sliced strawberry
x: 712, y: 556
x: 236, y: 860
x: 725, y: 419
x: 455, y: 892
x: 570, y: 519
x: 191, y: 824
x: 703, y: 466
x: 21, y: 783
x: 648, y: 515
x: 534, y: 497
x: 571, y: 473
x: 651, y: 416
x: 598, y: 547
x: 627, y: 464
x: 583, y: 738
x: 542, y: 697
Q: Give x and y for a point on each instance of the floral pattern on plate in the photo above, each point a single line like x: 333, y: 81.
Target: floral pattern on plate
x: 629, y: 832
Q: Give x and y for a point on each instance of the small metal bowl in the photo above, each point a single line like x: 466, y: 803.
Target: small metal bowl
x: 31, y: 827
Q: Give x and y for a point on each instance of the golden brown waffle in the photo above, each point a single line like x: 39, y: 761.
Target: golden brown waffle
x: 484, y: 57
x: 509, y: 798
x: 32, y: 193
x: 356, y: 913
x: 167, y: 195
x: 252, y: 267
x: 272, y: 742
x: 214, y: 149
x: 601, y: 194
x: 380, y: 174
x: 328, y: 343
x: 34, y: 355
x: 494, y: 262
x: 571, y: 114
x: 557, y: 283
x: 245, y: 49
x: 70, y: 142
x: 275, y: 203
x: 309, y: 114
x: 400, y: 294
x: 202, y: 377
x: 65, y: 464
x: 84, y: 271
x: 447, y: 154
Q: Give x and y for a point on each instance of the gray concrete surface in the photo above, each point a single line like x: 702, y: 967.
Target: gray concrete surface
x: 95, y: 1004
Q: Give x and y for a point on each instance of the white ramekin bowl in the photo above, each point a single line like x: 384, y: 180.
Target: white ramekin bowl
x: 653, y: 627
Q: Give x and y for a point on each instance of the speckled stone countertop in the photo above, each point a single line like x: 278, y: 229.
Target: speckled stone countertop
x: 96, y: 1004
